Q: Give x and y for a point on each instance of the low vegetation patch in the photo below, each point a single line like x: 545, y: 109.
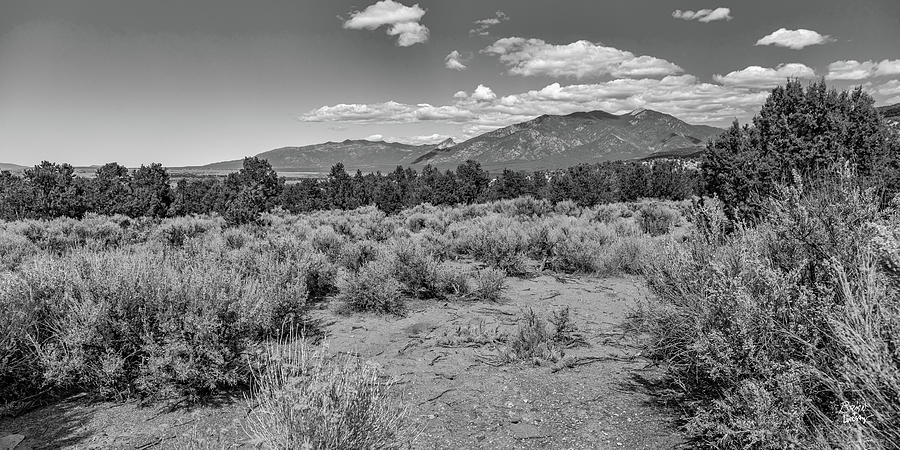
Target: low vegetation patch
x: 162, y: 308
x: 541, y: 341
x: 302, y: 399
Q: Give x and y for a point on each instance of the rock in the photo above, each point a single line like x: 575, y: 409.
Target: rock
x: 10, y: 442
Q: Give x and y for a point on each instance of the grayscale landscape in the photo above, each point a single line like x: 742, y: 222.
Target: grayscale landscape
x: 296, y: 224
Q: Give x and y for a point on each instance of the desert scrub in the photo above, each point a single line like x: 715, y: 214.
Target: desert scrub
x: 578, y: 245
x: 372, y: 288
x: 784, y: 334
x: 301, y: 399
x: 625, y: 255
x: 63, y: 234
x: 524, y: 207
x: 539, y: 341
x: 486, y: 285
x: 496, y: 240
x: 140, y: 322
x: 177, y: 231
x: 420, y: 273
x: 612, y: 212
x: 14, y: 250
x: 657, y: 219
x: 327, y: 241
x: 472, y: 335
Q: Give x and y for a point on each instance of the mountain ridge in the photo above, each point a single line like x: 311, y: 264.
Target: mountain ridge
x: 12, y: 167
x: 545, y: 142
x: 551, y: 141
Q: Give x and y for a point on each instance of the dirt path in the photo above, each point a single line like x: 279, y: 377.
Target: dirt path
x: 455, y: 398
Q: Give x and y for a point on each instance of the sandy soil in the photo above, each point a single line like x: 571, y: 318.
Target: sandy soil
x: 456, y: 397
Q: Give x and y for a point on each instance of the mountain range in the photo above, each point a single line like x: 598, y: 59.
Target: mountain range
x: 891, y: 112
x: 545, y: 142
x: 12, y: 167
x: 368, y: 156
x: 584, y: 137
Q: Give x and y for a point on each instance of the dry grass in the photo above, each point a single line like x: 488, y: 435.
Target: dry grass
x: 302, y: 400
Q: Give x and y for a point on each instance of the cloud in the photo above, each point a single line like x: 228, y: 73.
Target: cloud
x: 387, y: 112
x: 431, y: 139
x: 402, y: 21
x: 886, y: 93
x: 482, y: 109
x: 794, y: 39
x: 481, y: 26
x: 580, y: 59
x: 887, y: 68
x: 703, y: 15
x: 856, y: 70
x: 765, y: 77
x: 850, y: 70
x: 483, y: 93
x: 454, y: 61
x: 375, y: 138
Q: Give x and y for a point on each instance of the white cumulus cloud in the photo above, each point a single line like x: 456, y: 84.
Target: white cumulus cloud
x: 454, y: 61
x: 483, y: 93
x: 703, y: 15
x: 765, y: 77
x: 887, y: 68
x: 482, y: 25
x: 861, y: 70
x: 887, y: 93
x: 430, y: 139
x: 481, y: 110
x: 794, y: 39
x: 402, y: 21
x: 580, y: 59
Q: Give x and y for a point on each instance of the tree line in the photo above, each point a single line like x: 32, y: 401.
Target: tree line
x: 52, y: 190
x: 799, y: 134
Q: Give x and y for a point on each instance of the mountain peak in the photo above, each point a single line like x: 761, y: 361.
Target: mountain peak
x: 643, y: 112
x: 446, y: 143
x: 598, y: 114
x: 555, y: 141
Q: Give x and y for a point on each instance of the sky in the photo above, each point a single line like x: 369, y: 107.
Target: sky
x: 186, y: 82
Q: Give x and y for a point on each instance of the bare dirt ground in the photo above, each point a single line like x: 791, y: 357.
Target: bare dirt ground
x: 456, y: 396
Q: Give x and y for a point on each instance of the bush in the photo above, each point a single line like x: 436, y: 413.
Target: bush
x: 145, y: 323
x: 578, y: 247
x: 487, y: 285
x: 776, y: 335
x: 300, y: 399
x: 536, y: 342
x: 14, y: 250
x: 373, y: 288
x: 496, y: 240
x: 656, y: 219
x: 176, y: 232
x: 418, y: 271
